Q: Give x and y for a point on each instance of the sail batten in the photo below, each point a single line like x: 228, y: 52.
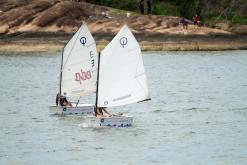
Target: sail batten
x: 122, y: 76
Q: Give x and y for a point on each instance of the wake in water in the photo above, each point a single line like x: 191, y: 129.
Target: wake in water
x: 89, y: 123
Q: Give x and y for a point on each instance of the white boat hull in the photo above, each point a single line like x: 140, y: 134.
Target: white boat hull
x: 83, y: 110
x: 116, y: 121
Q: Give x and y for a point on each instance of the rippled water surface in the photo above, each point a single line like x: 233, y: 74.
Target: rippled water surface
x: 197, y: 115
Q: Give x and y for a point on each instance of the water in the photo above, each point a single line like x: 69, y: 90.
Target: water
x: 197, y: 115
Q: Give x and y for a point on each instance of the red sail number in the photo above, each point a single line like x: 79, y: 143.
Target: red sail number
x: 83, y: 76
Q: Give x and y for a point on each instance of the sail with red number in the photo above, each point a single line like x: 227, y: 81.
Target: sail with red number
x: 79, y: 65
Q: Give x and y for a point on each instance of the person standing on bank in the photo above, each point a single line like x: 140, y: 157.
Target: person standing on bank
x: 149, y: 4
x: 141, y: 5
x: 196, y: 20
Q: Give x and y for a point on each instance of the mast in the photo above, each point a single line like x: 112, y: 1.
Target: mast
x: 97, y: 85
x: 61, y: 71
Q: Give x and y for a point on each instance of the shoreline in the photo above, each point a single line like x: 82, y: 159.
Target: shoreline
x: 53, y: 44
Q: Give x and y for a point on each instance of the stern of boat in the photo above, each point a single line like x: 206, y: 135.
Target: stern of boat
x: 116, y: 121
x: 83, y: 109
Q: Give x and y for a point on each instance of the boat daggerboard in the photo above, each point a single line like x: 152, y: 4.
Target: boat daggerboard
x: 122, y: 78
x: 79, y: 64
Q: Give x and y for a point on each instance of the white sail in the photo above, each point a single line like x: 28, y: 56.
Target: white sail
x: 79, y: 66
x: 122, y: 78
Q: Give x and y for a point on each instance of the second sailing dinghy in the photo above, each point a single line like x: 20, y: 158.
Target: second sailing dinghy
x: 78, y: 73
x: 121, y: 77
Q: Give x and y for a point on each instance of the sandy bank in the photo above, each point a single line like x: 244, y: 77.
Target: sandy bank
x: 148, y: 43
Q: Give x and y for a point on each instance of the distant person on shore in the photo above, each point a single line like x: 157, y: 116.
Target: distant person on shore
x: 149, y: 4
x: 196, y: 20
x: 184, y: 23
x: 141, y: 6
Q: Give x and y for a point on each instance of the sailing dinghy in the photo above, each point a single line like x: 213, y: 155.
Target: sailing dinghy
x: 121, y: 77
x: 78, y: 74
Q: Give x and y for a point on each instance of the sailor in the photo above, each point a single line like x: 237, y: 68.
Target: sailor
x: 63, y: 101
x: 102, y: 112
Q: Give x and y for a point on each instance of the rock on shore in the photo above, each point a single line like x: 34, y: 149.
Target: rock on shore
x: 66, y: 16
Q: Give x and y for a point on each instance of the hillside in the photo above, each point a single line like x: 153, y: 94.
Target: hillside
x: 66, y: 16
x: 54, y: 18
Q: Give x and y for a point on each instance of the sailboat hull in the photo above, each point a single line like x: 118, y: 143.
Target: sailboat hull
x: 83, y: 110
x: 116, y: 121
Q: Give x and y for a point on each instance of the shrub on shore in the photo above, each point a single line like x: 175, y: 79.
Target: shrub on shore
x: 210, y: 10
